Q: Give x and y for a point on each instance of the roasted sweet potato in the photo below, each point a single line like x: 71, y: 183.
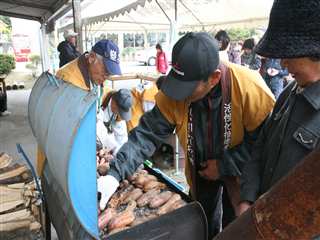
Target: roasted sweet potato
x: 153, y: 185
x: 146, y: 197
x: 121, y: 220
x: 124, y: 183
x: 143, y: 179
x: 105, y: 217
x: 160, y: 199
x: 131, y: 205
x: 134, y: 195
x: 169, y: 204
x: 123, y: 195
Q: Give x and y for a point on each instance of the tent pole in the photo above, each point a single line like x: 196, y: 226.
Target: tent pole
x: 176, y: 10
x: 43, y: 48
x: 77, y: 25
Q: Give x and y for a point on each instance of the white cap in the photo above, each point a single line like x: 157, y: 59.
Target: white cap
x: 69, y: 33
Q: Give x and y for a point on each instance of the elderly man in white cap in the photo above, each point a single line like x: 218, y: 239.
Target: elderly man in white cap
x: 67, y: 48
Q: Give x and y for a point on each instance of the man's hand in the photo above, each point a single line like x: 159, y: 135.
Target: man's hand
x: 107, y: 185
x: 211, y: 171
x: 242, y: 207
x: 272, y: 72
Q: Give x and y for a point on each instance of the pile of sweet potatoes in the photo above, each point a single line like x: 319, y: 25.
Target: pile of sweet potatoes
x: 103, y: 162
x: 139, y: 199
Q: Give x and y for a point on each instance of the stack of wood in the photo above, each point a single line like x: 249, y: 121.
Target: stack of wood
x: 19, y: 201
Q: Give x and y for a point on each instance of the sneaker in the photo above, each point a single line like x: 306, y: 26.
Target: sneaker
x: 5, y: 113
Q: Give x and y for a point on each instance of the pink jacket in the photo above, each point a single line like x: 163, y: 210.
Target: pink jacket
x: 161, y: 62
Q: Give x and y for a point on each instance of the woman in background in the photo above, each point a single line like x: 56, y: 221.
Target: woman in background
x: 161, y: 60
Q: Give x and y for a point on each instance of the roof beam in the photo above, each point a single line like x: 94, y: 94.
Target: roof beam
x: 18, y: 15
x: 27, y: 4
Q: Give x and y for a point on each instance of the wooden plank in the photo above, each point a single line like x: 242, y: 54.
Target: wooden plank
x: 13, y: 173
x: 35, y: 226
x: 148, y: 78
x: 5, y: 160
x: 17, y: 186
x: 6, y: 206
x: 23, y: 214
x: 11, y: 226
x: 10, y: 195
x: 132, y: 77
x: 123, y: 77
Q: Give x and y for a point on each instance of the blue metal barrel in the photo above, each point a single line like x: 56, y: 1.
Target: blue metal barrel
x: 63, y: 120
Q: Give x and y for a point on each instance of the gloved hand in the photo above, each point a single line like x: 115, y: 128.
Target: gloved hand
x: 107, y: 185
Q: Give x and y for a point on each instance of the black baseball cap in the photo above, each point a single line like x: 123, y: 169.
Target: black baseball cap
x: 194, y: 57
x: 123, y: 99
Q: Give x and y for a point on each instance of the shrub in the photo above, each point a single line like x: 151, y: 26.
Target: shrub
x: 7, y: 63
x: 34, y: 64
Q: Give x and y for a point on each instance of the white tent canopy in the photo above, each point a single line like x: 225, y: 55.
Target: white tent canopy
x: 194, y: 14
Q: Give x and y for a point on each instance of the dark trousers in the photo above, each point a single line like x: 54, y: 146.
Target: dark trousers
x: 3, y: 101
x: 216, y: 203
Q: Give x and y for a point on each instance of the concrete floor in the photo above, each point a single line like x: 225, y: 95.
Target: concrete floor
x: 15, y: 127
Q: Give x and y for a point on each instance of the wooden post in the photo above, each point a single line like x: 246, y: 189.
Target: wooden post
x: 77, y: 24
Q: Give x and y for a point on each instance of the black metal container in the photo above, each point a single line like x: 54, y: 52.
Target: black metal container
x: 186, y: 223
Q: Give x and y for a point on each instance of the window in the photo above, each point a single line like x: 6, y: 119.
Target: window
x: 139, y: 40
x: 162, y: 37
x: 152, y: 39
x: 113, y: 37
x: 128, y: 40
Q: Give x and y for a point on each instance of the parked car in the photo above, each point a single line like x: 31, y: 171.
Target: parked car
x: 148, y: 56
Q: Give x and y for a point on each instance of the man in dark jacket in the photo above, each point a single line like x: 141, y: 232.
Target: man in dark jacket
x: 216, y: 109
x: 292, y: 131
x: 67, y: 48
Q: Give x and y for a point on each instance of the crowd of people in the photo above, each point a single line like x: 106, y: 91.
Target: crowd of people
x: 238, y: 139
x: 275, y: 76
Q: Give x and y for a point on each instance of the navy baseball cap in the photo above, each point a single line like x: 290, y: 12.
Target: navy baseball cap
x: 123, y: 99
x: 110, y: 52
x: 194, y: 57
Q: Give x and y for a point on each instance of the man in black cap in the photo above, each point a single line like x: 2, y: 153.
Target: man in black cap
x: 292, y: 131
x: 111, y: 123
x: 216, y: 110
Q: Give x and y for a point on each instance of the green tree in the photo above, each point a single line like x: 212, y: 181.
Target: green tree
x: 236, y: 34
x: 6, y: 20
x: 7, y: 63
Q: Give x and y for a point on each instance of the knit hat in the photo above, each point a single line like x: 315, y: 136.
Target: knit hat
x: 293, y: 30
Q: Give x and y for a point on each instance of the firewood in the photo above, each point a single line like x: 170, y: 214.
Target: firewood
x: 14, y: 225
x: 35, y: 226
x: 10, y: 195
x: 5, y: 160
x: 10, y: 205
x: 13, y: 173
x: 17, y: 186
x: 23, y: 214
